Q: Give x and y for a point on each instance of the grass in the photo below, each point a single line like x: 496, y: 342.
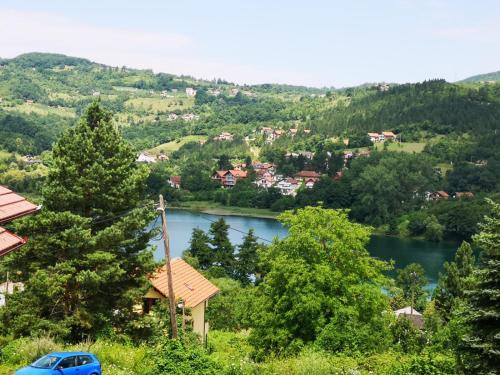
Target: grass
x: 168, y: 148
x: 116, y: 358
x: 444, y: 167
x: 219, y: 209
x: 230, y: 349
x: 160, y: 104
x: 42, y: 110
x: 409, y: 147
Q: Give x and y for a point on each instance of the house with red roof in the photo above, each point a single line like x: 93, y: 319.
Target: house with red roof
x: 191, y: 289
x: 175, y: 182
x: 438, y: 195
x: 12, y: 206
x: 229, y: 178
x: 307, y: 175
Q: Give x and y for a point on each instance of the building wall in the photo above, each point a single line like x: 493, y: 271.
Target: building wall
x: 198, y: 315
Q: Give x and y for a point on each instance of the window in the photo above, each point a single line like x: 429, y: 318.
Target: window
x: 46, y: 362
x: 67, y: 362
x: 83, y: 360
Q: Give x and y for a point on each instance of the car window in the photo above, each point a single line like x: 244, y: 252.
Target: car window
x: 67, y: 362
x: 46, y: 361
x: 83, y: 360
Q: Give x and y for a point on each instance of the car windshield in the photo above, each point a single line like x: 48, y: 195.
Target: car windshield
x: 47, y: 361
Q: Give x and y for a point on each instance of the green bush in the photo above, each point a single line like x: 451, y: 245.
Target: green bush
x: 174, y: 357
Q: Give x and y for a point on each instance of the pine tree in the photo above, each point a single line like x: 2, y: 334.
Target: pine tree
x: 481, y: 352
x: 200, y: 249
x: 247, y: 258
x: 222, y: 247
x: 454, y: 280
x: 412, y: 281
x: 86, y: 258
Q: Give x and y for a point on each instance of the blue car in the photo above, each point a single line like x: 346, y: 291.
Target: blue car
x: 64, y: 363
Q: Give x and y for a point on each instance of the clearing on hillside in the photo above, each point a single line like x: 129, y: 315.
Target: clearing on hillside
x: 170, y: 147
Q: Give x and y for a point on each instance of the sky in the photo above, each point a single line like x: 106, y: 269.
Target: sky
x: 310, y: 42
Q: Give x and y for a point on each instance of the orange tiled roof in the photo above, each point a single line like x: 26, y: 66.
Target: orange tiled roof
x: 308, y: 174
x: 238, y: 173
x: 175, y: 180
x: 463, y: 194
x: 9, y: 241
x: 189, y: 285
x: 13, y: 206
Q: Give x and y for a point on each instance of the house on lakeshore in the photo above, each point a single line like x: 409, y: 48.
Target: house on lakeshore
x: 191, y: 289
x: 12, y: 206
x: 175, y: 182
x: 232, y: 176
x: 288, y: 186
x: 229, y: 178
x: 412, y: 315
x: 307, y: 175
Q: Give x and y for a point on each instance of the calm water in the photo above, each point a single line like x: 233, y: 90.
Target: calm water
x: 403, y: 251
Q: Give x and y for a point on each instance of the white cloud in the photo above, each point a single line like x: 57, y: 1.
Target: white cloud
x: 161, y: 51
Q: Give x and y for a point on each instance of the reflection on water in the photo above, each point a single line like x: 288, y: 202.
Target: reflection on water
x: 403, y: 251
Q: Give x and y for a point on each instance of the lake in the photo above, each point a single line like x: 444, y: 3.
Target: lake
x: 430, y: 255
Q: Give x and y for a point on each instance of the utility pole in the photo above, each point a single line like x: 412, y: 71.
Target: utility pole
x: 6, y: 289
x: 171, y: 296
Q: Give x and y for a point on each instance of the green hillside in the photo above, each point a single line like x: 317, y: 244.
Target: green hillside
x: 487, y: 77
x: 416, y: 110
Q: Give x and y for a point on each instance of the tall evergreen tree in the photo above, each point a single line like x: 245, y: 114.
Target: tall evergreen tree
x: 455, y: 279
x: 246, y: 265
x: 222, y: 247
x: 86, y: 258
x: 200, y: 249
x: 412, y: 281
x: 482, y: 346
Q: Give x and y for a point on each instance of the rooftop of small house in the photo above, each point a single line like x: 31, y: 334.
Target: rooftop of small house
x: 188, y: 284
x: 13, y: 205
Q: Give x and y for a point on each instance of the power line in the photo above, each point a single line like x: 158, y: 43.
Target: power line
x: 235, y: 229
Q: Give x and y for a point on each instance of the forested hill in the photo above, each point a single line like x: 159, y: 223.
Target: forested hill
x: 417, y: 110
x: 41, y: 94
x: 487, y: 77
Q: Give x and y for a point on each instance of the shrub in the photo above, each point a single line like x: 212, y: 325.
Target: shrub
x: 174, y: 357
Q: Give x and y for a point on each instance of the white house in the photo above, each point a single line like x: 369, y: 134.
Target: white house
x: 224, y: 136
x: 145, y: 158
x: 190, y: 91
x: 288, y: 186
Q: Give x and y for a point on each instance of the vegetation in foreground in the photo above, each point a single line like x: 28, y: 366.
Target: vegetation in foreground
x: 310, y: 302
